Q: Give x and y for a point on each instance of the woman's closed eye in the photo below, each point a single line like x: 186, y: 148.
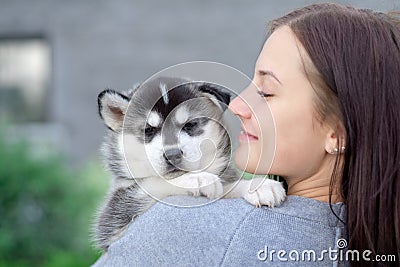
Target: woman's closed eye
x: 263, y: 94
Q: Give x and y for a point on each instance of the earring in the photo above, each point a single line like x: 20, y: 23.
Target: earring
x: 333, y: 151
x: 336, y: 150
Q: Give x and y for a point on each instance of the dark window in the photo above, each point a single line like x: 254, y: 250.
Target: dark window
x: 24, y: 79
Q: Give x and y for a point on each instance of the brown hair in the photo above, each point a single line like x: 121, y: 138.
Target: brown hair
x: 355, y: 56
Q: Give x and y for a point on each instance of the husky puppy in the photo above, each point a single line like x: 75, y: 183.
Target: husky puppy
x: 167, y: 137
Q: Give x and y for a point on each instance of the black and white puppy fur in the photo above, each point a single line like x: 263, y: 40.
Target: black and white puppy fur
x: 169, y: 134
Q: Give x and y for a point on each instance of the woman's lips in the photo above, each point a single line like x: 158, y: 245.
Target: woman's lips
x: 246, y: 137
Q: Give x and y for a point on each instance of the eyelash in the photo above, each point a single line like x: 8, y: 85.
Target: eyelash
x: 262, y: 94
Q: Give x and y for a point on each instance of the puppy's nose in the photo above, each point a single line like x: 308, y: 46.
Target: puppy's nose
x: 173, y: 155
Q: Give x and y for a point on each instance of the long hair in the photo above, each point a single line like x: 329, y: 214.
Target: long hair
x: 355, y: 55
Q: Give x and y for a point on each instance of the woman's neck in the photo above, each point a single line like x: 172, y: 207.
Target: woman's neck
x: 317, y: 193
x: 316, y: 187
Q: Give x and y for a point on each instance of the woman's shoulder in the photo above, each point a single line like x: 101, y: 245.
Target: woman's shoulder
x: 195, y: 231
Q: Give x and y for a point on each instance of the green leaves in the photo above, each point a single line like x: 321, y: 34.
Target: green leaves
x: 45, y: 208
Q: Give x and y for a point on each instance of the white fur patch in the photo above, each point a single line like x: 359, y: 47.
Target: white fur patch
x: 181, y: 114
x: 154, y: 119
x: 134, y: 152
x: 200, y: 152
x: 164, y: 93
x: 154, y: 155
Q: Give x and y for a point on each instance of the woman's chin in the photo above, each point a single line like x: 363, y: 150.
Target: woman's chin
x: 247, y: 158
x: 243, y: 161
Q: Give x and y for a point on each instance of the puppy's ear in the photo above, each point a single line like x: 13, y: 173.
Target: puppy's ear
x: 218, y: 94
x: 129, y: 93
x: 112, y: 108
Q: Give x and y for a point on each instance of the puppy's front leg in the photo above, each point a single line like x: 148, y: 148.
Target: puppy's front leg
x: 201, y: 183
x: 258, y: 191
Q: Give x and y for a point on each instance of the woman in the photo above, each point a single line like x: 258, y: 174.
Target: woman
x: 330, y: 75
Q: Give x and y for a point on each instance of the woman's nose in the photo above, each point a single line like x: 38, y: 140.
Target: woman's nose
x: 240, y: 107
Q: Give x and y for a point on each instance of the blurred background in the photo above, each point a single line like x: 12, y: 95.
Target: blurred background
x: 55, y: 57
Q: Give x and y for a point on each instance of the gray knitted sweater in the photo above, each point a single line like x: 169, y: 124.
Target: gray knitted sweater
x: 231, y: 232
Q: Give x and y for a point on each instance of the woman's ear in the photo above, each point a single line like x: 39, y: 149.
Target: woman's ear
x: 335, y: 141
x: 112, y: 108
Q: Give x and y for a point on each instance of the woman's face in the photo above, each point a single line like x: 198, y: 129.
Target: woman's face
x: 280, y: 132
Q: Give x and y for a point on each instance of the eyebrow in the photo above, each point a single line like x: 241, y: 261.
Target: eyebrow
x: 269, y: 73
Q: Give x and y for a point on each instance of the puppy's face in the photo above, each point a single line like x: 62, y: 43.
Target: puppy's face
x: 168, y: 127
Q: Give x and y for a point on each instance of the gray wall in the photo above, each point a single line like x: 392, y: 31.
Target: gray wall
x: 99, y: 44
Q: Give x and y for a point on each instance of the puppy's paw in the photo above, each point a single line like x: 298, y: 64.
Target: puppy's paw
x: 202, y: 183
x: 264, y: 192
x: 210, y: 185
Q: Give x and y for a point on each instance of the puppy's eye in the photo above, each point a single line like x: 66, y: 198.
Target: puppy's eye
x: 190, y: 125
x: 150, y: 130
